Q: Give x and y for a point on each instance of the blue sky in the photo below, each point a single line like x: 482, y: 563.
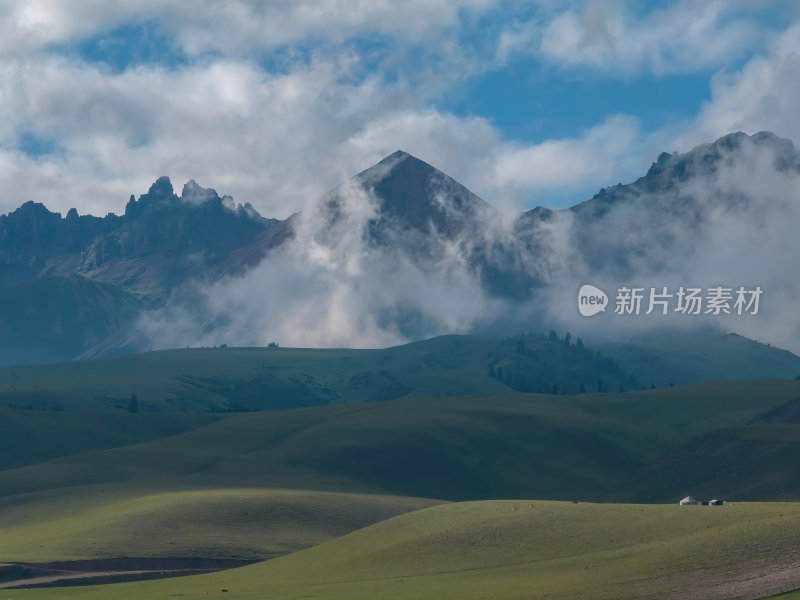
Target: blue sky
x: 526, y: 103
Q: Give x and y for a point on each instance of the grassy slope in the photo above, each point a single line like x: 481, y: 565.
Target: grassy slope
x: 250, y: 524
x: 541, y: 549
x: 55, y: 318
x: 758, y: 460
x: 201, y: 380
x: 712, y: 358
x: 255, y: 378
x: 28, y: 436
x: 559, y: 447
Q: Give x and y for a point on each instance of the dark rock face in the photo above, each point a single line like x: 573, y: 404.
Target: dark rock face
x: 161, y: 240
x: 413, y: 194
x: 35, y: 241
x: 423, y: 214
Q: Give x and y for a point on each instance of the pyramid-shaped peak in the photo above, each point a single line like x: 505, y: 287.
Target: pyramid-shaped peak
x: 421, y: 195
x: 395, y: 159
x: 400, y: 154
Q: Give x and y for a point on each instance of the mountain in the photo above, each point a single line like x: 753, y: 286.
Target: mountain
x: 161, y: 239
x: 69, y: 284
x: 348, y: 270
x: 35, y: 242
x: 164, y: 239
x: 694, y: 359
x: 413, y: 195
x: 662, y: 222
x: 51, y: 319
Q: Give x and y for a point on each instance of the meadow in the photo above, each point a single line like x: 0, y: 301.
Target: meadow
x: 403, y: 473
x: 513, y: 550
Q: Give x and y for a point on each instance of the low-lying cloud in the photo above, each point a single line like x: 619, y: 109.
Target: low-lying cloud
x: 732, y: 223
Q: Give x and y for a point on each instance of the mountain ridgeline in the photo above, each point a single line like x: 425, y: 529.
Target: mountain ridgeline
x: 407, y: 251
x: 160, y: 240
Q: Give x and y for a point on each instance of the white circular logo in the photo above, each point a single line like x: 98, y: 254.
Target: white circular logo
x: 591, y: 300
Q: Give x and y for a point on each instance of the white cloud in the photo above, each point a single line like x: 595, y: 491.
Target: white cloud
x: 280, y: 140
x: 222, y: 25
x: 761, y: 96
x: 609, y: 36
x: 267, y: 139
x: 331, y: 286
x: 276, y: 141
x: 602, y: 153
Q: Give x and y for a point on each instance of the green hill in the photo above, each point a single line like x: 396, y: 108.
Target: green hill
x: 32, y: 436
x: 682, y: 361
x: 247, y: 379
x: 110, y: 522
x: 57, y: 318
x: 588, y: 446
x: 514, y: 550
x: 758, y: 459
x: 236, y: 379
x: 167, y: 491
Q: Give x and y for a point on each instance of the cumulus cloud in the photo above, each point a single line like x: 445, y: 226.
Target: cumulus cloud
x: 610, y: 36
x: 219, y: 25
x: 278, y: 141
x: 759, y: 96
x: 77, y: 133
x: 603, y: 152
x: 275, y: 130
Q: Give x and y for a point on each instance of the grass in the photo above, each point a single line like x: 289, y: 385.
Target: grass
x: 707, y: 358
x: 237, y: 379
x: 334, y: 496
x: 760, y: 461
x: 591, y: 447
x: 246, y: 524
x: 514, y: 550
x: 217, y: 379
x: 32, y: 436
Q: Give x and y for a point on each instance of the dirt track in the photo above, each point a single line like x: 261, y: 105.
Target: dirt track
x: 113, y: 570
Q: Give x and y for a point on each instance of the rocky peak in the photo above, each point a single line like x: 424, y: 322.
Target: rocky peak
x: 420, y: 196
x: 707, y: 158
x: 161, y: 188
x: 194, y: 194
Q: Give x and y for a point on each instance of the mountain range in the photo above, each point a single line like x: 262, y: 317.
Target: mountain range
x: 80, y: 285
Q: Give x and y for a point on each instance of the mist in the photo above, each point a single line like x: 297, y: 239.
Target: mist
x: 724, y: 215
x: 331, y: 285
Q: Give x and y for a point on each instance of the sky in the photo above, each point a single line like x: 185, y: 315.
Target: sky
x: 276, y: 102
